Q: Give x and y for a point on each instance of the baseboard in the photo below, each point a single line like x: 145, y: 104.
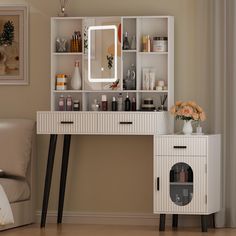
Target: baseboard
x: 117, y: 218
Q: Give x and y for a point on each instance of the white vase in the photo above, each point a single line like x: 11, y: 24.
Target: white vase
x: 187, y: 128
x: 76, y: 82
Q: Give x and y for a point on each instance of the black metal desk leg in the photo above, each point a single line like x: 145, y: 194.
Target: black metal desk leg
x: 48, y: 177
x: 162, y: 222
x: 204, y: 223
x: 64, y: 166
x: 175, y: 221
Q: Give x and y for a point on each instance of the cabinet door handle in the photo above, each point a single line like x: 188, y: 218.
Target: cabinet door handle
x: 126, y: 122
x: 67, y: 122
x: 158, y: 183
x: 180, y: 147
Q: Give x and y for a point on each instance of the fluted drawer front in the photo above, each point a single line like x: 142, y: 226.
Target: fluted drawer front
x: 175, y: 145
x: 66, y: 122
x: 127, y: 123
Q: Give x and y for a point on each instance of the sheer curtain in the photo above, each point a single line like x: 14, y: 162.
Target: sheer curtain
x: 224, y: 100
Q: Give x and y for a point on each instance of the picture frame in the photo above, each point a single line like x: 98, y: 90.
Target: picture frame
x: 14, y: 45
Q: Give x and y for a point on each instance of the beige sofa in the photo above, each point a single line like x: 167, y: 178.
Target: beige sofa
x: 17, y: 161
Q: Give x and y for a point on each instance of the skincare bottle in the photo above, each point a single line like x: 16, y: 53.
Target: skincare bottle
x: 114, y: 104
x: 127, y: 103
x: 61, y: 103
x: 133, y: 104
x: 120, y: 102
x: 104, y: 103
x: 69, y: 103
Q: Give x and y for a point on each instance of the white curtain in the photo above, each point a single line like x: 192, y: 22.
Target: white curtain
x: 224, y: 100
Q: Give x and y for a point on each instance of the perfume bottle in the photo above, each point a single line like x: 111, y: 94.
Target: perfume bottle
x: 126, y: 42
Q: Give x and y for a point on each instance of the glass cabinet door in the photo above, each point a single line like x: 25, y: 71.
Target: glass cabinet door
x: 181, y: 184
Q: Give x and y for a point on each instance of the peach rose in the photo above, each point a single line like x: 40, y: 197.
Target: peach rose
x: 184, y: 104
x: 195, y: 116
x: 202, y: 116
x: 192, y: 104
x: 187, y: 111
x: 178, y: 103
x: 199, y: 109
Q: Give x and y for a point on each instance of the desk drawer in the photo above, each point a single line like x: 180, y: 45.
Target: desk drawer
x: 66, y: 123
x: 186, y: 146
x: 127, y: 123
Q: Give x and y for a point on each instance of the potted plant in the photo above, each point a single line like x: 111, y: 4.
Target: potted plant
x: 188, y: 112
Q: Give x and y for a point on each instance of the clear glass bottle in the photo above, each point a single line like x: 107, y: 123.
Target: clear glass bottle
x: 76, y: 82
x: 133, y: 76
x: 126, y: 45
x: 120, y: 102
x: 133, y: 43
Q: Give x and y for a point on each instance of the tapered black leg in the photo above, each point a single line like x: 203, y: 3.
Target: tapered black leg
x: 175, y: 221
x: 162, y: 222
x: 213, y: 221
x: 48, y: 177
x: 64, y: 166
x: 204, y: 223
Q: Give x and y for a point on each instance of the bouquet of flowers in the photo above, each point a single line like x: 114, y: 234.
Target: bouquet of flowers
x: 188, y: 111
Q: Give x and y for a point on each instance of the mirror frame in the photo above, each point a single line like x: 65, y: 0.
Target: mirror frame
x: 102, y: 27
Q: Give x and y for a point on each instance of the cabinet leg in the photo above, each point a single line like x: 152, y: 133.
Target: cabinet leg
x: 48, y: 177
x: 64, y: 167
x: 175, y: 221
x: 213, y: 221
x: 162, y: 222
x: 204, y: 223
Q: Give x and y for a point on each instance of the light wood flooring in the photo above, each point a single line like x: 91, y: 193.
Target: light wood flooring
x: 108, y: 230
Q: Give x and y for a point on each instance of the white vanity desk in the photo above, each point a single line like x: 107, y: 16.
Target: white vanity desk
x: 146, y: 61
x: 94, y: 123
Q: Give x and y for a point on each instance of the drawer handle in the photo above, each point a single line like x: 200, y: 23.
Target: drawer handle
x: 126, y: 122
x: 158, y: 183
x: 67, y: 122
x: 180, y: 147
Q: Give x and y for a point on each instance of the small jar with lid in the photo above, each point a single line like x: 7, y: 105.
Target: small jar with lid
x: 61, y: 82
x: 160, y: 44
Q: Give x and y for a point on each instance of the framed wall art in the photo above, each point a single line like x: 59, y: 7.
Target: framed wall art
x: 13, y: 45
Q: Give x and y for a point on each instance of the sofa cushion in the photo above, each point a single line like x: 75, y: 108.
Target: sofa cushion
x: 16, y: 190
x: 15, y: 145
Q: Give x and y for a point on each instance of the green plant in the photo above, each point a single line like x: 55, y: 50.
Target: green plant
x: 7, y: 36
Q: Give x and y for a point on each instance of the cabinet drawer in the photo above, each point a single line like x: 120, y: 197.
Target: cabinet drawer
x: 66, y: 123
x: 175, y: 146
x: 127, y: 123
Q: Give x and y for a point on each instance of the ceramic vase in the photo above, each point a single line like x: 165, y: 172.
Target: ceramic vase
x: 187, y: 128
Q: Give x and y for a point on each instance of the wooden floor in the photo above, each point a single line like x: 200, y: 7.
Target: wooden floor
x: 108, y: 230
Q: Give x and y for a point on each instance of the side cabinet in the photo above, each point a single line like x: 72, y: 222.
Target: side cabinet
x: 187, y: 174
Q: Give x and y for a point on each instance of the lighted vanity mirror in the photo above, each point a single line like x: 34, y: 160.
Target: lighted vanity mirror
x: 102, y: 53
